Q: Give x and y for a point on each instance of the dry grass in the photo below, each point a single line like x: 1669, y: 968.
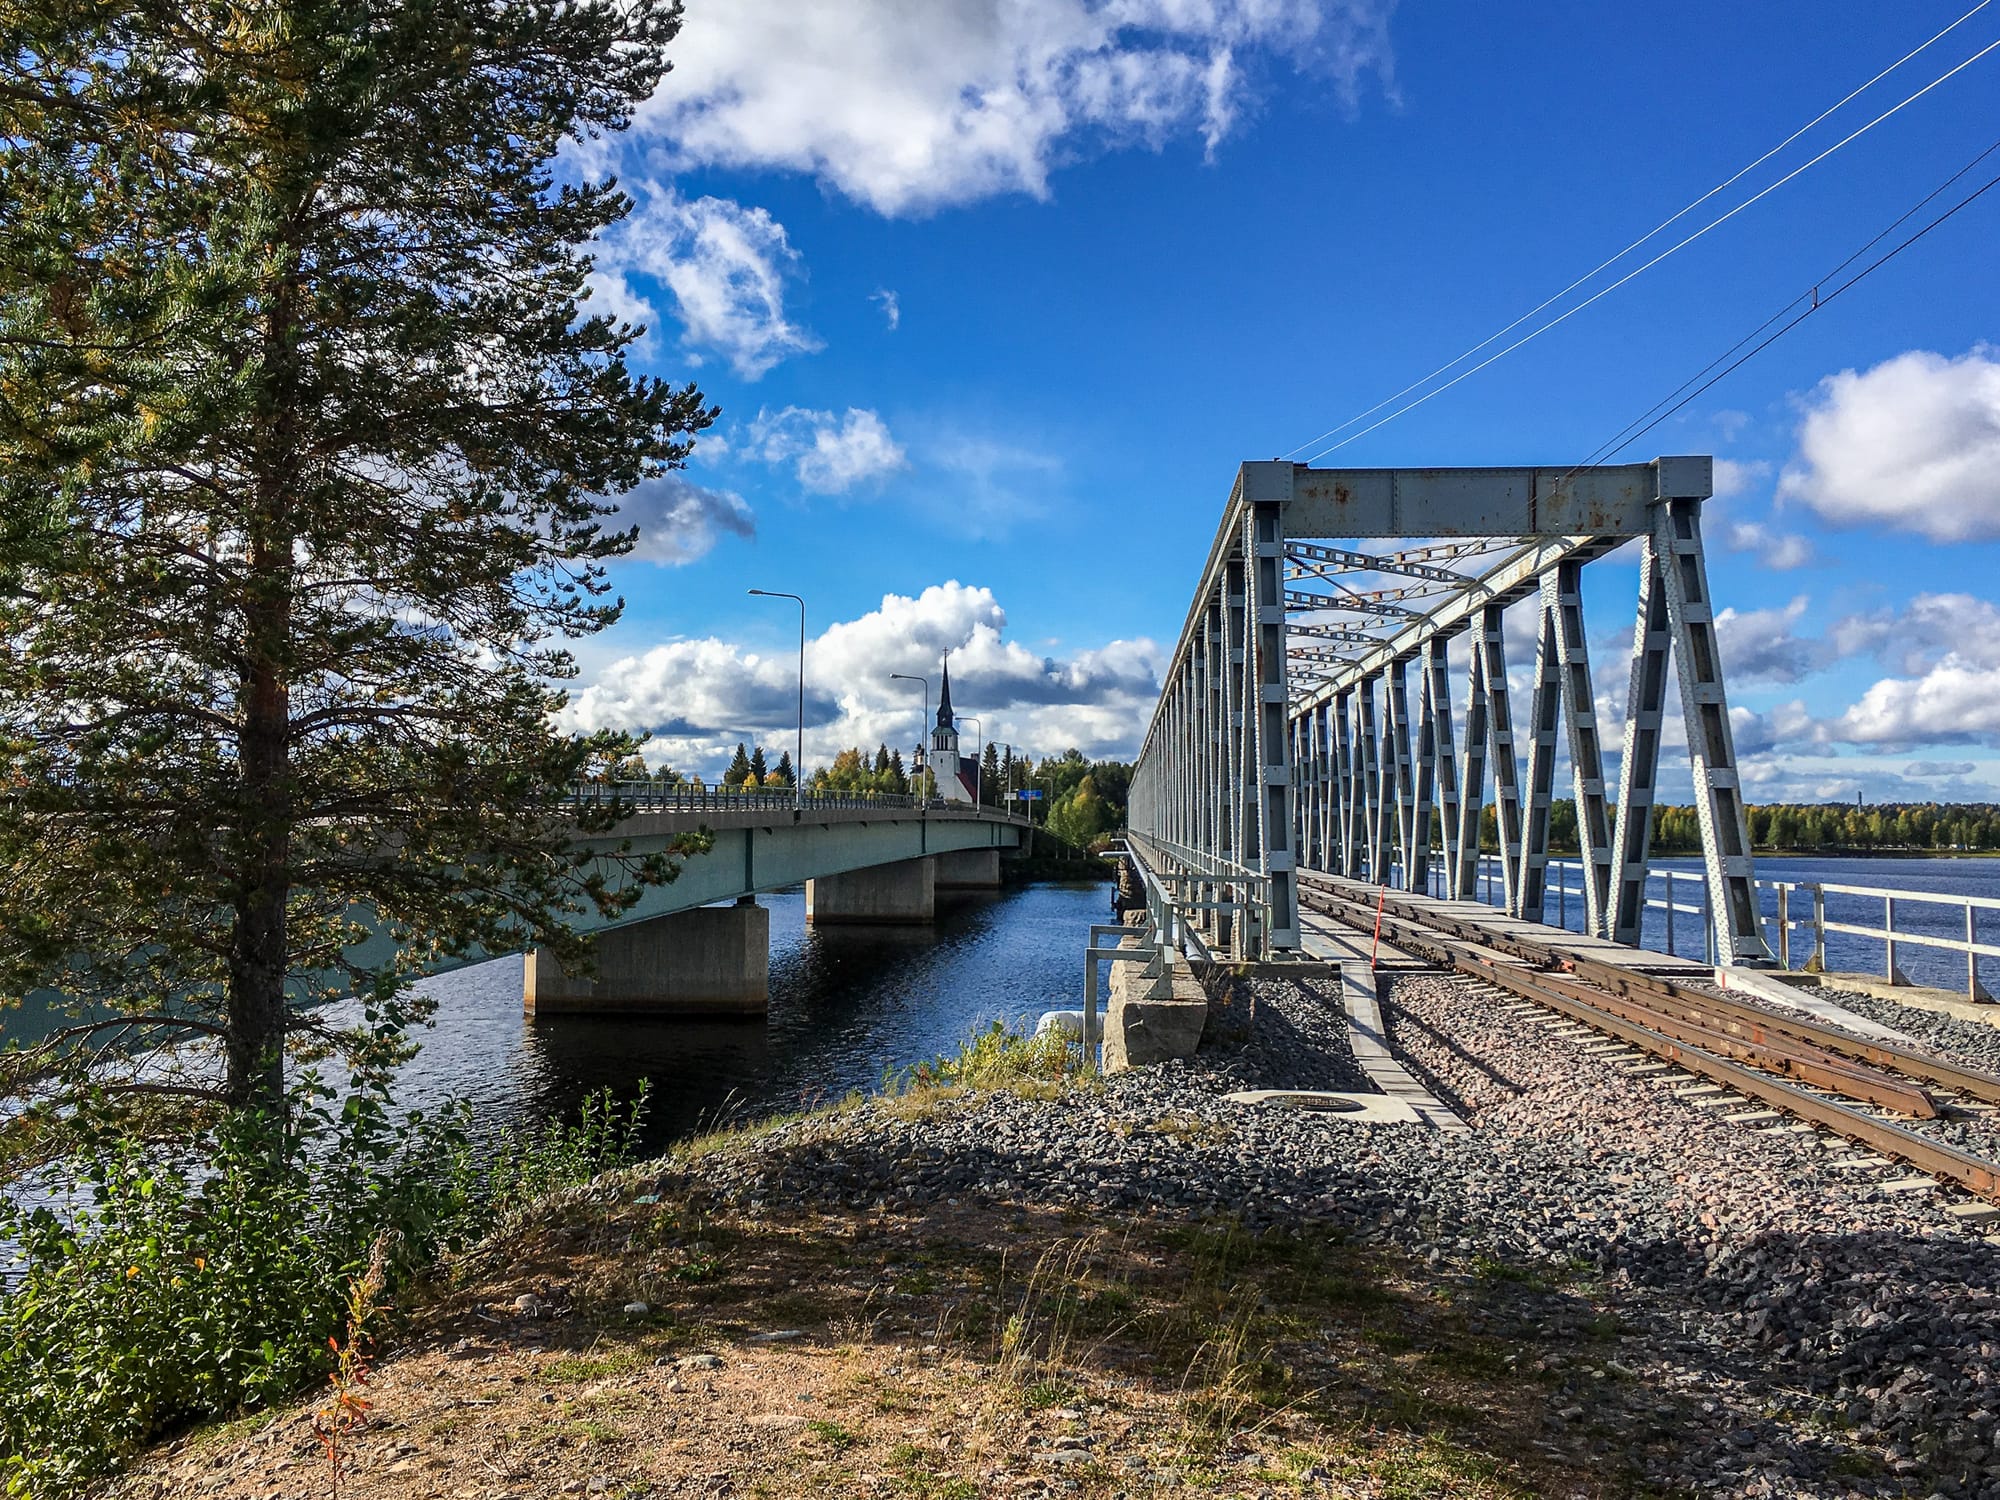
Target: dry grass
x: 966, y: 1351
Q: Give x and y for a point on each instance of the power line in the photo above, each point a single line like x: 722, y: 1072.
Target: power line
x: 1819, y: 296
x: 1650, y: 234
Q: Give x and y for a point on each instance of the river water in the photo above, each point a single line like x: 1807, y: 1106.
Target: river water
x: 850, y: 1003
x: 847, y: 1005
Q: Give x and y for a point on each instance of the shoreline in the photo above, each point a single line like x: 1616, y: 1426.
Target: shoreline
x: 1130, y: 1285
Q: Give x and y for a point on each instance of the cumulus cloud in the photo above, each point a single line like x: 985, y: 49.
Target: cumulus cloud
x: 1925, y: 770
x: 1756, y: 733
x: 726, y: 265
x: 1764, y: 646
x: 700, y: 697
x: 1955, y: 702
x: 909, y: 105
x: 680, y: 520
x: 1913, y: 443
x: 1915, y: 638
x: 830, y: 453
x: 1735, y: 477
x: 1780, y: 551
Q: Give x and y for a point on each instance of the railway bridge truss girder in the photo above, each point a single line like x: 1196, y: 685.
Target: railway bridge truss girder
x: 1285, y: 736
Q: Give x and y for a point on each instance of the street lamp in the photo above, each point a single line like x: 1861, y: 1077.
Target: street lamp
x: 978, y: 762
x: 923, y: 724
x: 799, y: 755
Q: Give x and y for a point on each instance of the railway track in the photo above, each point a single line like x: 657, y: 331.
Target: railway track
x: 1845, y: 1084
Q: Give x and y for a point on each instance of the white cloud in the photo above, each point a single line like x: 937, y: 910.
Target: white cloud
x: 1780, y: 551
x: 1955, y: 702
x: 699, y: 697
x: 1925, y: 770
x: 908, y: 105
x: 1917, y: 637
x: 1913, y: 443
x: 831, y: 454
x: 892, y: 308
x: 1734, y: 477
x: 726, y: 266
x: 680, y: 520
x: 1763, y: 645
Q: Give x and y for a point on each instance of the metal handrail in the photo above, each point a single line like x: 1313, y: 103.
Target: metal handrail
x: 653, y: 796
x: 1784, y: 922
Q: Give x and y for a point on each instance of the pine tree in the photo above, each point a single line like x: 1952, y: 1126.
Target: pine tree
x: 882, y: 759
x: 783, y: 775
x: 307, y: 455
x: 739, y: 767
x: 899, y: 780
x: 759, y: 771
x: 989, y: 775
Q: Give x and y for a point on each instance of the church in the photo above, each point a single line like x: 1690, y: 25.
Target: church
x: 957, y: 776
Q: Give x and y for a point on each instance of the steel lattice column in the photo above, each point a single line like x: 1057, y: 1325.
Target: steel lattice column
x: 1639, y: 766
x: 1586, y: 755
x: 1349, y: 846
x: 1276, y: 855
x: 1417, y: 863
x: 1437, y: 689
x: 1401, y: 778
x: 1371, y: 789
x: 1545, y: 712
x: 1718, y: 799
x: 1472, y: 791
x: 1500, y: 751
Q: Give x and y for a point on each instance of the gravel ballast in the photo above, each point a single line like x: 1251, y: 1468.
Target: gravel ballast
x: 1841, y: 1339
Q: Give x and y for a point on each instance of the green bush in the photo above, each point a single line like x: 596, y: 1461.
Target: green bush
x: 213, y: 1284
x: 990, y: 1059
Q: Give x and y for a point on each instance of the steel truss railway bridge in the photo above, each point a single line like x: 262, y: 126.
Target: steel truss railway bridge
x: 1285, y: 736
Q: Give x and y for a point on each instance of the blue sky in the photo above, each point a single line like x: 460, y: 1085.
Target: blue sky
x: 994, y: 297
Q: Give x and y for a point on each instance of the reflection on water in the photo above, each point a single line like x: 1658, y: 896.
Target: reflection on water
x: 847, y: 1003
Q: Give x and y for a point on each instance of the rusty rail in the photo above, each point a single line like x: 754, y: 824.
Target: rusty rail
x: 1628, y: 1007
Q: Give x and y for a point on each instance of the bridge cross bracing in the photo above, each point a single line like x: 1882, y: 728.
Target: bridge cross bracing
x: 1306, y: 717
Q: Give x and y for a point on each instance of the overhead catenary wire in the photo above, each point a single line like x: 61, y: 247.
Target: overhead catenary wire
x: 1817, y: 297
x: 1629, y: 276
x: 1671, y: 219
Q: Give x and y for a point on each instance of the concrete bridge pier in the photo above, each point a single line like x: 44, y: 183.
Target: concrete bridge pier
x: 969, y: 870
x: 895, y: 894
x: 711, y: 961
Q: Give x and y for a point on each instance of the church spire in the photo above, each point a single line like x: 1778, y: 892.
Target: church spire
x: 944, y: 718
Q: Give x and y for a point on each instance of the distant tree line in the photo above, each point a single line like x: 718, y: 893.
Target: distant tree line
x: 1801, y: 826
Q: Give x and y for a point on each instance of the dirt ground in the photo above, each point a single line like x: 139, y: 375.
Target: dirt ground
x: 976, y: 1350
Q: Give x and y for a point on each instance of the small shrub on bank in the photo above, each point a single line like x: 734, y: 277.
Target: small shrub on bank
x: 995, y: 1058
x: 220, y: 1282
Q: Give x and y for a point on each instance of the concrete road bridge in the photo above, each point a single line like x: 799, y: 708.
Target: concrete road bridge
x: 1284, y: 738
x: 863, y: 859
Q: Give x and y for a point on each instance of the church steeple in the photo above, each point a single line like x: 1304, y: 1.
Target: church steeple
x: 944, y: 718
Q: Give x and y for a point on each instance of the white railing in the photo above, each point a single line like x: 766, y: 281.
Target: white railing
x: 1787, y: 907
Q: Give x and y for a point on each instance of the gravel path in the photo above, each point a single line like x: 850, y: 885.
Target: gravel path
x: 1814, y: 1315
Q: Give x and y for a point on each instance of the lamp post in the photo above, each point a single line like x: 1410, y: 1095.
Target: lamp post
x: 923, y: 724
x: 799, y: 754
x: 978, y: 762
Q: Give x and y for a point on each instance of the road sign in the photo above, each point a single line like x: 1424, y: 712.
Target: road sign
x: 1026, y: 796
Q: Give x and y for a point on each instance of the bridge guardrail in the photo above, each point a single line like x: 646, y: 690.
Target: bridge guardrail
x: 1783, y: 918
x: 653, y: 796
